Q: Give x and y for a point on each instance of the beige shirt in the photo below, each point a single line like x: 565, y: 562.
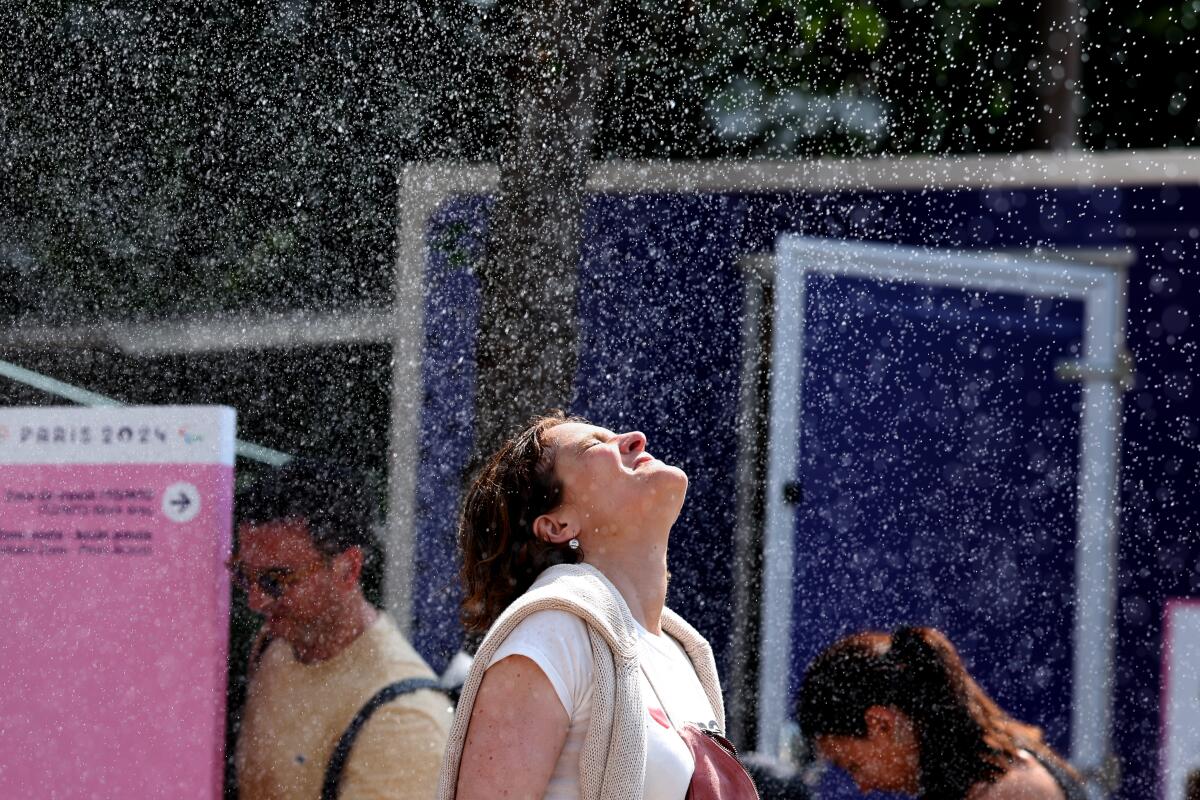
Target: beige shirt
x: 295, y: 713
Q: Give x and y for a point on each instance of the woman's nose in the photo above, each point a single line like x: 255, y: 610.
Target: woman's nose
x: 633, y: 442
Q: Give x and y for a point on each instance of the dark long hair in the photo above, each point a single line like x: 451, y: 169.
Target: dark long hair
x: 964, y: 738
x: 501, y: 556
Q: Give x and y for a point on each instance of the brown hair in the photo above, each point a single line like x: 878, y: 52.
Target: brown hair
x: 963, y: 736
x: 501, y: 556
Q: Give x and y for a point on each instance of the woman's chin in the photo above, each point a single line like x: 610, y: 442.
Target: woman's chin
x: 673, y: 491
x: 674, y: 474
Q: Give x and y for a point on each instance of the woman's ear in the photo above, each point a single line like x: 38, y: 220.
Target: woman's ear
x: 555, y: 527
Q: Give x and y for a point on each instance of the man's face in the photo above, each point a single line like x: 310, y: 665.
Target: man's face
x: 292, y: 584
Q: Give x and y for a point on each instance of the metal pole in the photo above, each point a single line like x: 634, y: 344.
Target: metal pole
x: 83, y: 397
x: 778, y: 556
x: 1096, y: 540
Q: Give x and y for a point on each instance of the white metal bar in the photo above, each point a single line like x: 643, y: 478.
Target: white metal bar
x: 986, y: 272
x: 925, y: 173
x: 263, y: 455
x: 1096, y: 537
x: 1115, y: 168
x: 48, y: 385
x: 220, y: 334
x: 420, y: 194
x: 255, y: 333
x: 787, y: 349
x: 67, y: 391
x: 746, y: 540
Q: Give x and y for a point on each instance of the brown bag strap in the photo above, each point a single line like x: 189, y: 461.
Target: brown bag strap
x: 653, y: 688
x: 662, y: 703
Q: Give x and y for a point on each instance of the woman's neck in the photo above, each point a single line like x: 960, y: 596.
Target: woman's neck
x: 640, y: 577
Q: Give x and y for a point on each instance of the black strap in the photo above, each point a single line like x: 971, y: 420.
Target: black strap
x: 337, y: 760
x: 260, y: 649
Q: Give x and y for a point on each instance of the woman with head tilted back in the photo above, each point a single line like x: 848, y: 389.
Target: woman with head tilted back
x: 586, y: 685
x: 899, y: 713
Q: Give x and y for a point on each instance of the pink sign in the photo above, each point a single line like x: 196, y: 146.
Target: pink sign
x: 114, y: 527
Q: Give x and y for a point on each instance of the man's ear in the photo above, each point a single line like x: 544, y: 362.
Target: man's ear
x: 555, y: 527
x: 348, y: 565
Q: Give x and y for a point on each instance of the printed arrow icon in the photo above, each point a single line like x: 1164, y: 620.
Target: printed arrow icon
x: 181, y: 502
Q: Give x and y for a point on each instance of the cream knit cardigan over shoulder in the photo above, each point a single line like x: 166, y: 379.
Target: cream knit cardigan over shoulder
x: 612, y: 765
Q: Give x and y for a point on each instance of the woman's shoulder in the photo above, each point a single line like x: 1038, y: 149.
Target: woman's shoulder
x: 552, y: 622
x: 1025, y: 780
x: 557, y: 635
x: 558, y: 643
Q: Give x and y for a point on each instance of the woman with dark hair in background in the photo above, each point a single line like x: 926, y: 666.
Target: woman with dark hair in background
x: 586, y: 685
x: 899, y: 713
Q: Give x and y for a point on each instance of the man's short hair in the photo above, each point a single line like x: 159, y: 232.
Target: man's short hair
x: 332, y: 499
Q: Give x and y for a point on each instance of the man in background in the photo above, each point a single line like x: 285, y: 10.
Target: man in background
x: 324, y: 652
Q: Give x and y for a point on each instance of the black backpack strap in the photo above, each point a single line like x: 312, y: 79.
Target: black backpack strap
x: 259, y: 649
x: 337, y: 760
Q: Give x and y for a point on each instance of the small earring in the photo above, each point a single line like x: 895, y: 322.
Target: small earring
x: 573, y: 544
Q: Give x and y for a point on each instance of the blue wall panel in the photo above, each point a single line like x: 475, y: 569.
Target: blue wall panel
x: 447, y: 422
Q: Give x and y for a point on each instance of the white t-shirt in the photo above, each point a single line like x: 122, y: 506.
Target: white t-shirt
x: 557, y: 641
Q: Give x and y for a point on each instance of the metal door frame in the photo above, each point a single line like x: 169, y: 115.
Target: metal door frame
x: 1102, y: 371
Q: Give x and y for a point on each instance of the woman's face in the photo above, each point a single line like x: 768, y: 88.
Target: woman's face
x: 887, y: 759
x: 611, y: 482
